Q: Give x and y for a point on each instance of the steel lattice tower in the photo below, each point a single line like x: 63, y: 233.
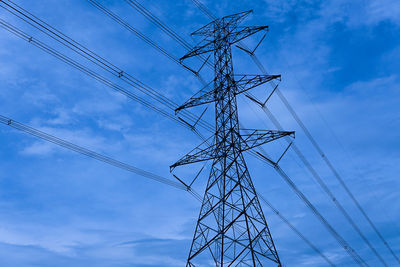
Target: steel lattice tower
x: 231, y: 229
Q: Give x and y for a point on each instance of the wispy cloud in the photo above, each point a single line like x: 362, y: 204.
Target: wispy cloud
x: 58, y: 209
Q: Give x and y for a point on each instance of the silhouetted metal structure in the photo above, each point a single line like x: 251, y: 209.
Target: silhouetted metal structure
x: 231, y: 229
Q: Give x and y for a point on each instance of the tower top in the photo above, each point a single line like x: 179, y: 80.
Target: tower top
x: 226, y: 30
x: 231, y: 21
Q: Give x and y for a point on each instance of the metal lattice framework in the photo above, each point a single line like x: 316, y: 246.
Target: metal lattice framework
x: 231, y: 229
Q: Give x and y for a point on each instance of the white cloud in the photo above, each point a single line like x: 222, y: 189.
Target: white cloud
x: 380, y: 10
x: 138, y: 206
x: 370, y: 12
x: 39, y: 148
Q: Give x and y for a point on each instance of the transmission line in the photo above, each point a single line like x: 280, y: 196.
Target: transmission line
x: 92, y: 57
x: 102, y: 79
x: 164, y: 27
x: 105, y: 159
x: 133, y: 30
x: 28, y: 38
x: 158, y: 22
x: 14, y: 30
x: 160, y: 49
x: 352, y: 253
x: 336, y: 174
x: 153, y: 18
x: 145, y: 38
x: 325, y: 188
x: 204, y: 9
x: 17, y: 32
x: 328, y: 226
x: 106, y: 13
x: 87, y: 152
x: 208, y: 13
x: 85, y: 70
x: 304, y: 238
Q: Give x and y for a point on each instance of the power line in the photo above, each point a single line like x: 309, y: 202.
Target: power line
x: 337, y: 175
x: 158, y: 22
x: 163, y: 51
x: 154, y: 45
x: 29, y: 39
x: 133, y: 30
x: 55, y: 140
x: 204, y: 9
x: 164, y: 27
x: 148, y: 14
x: 93, y: 57
x: 46, y: 48
x: 155, y: 20
x: 325, y: 188
x: 304, y: 238
x: 352, y: 253
x: 145, y: 38
x: 332, y: 168
x: 207, y: 12
x: 17, y: 32
x: 116, y: 163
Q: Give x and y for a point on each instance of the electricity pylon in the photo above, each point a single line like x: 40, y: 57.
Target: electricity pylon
x: 231, y: 229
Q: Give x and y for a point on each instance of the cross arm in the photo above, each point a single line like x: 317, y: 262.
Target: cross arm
x: 257, y: 138
x: 206, y: 47
x: 230, y: 21
x: 248, y: 82
x: 202, y: 152
x: 209, y: 45
x: 204, y: 96
x: 244, y: 32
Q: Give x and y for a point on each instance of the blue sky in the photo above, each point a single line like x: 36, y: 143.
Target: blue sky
x: 339, y: 62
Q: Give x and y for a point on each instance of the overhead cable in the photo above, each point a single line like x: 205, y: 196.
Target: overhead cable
x: 158, y: 22
x: 116, y: 163
x: 29, y: 39
x: 55, y: 140
x: 93, y: 57
x: 207, y: 12
x: 17, y: 32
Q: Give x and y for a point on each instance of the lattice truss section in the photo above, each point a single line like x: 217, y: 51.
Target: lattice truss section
x: 231, y: 229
